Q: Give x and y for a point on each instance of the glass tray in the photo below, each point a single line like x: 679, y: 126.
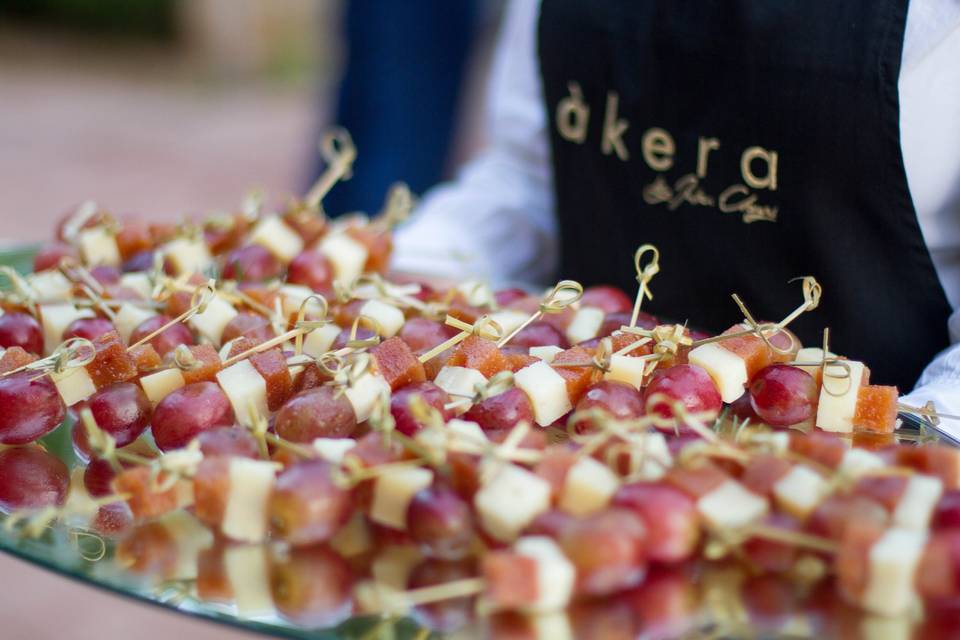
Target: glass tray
x: 707, y: 601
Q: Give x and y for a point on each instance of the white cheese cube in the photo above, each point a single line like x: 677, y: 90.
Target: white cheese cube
x: 838, y: 397
x: 98, y: 246
x: 546, y: 390
x: 347, y: 256
x: 800, y: 491
x: 731, y: 506
x: 247, y: 391
x: 365, y: 393
x: 727, y: 369
x: 477, y: 293
x: 129, y: 317
x: 248, y: 572
x: 510, y: 501
x: 393, y: 491
x: 318, y: 342
x: 552, y: 626
x: 509, y: 320
x: 588, y: 487
x: 55, y: 319
x: 585, y: 324
x: 188, y: 255
x: 293, y: 296
x: 917, y: 503
x: 893, y: 561
x: 50, y: 285
x: 354, y: 538
x: 73, y: 385
x: 191, y: 537
x: 138, y: 281
x: 276, y: 236
x: 546, y: 353
x: 653, y: 454
x: 628, y: 369
x: 245, y: 514
x: 812, y: 354
x: 857, y: 462
x: 460, y: 382
x: 466, y: 431
x: 392, y: 567
x: 389, y: 319
x: 555, y: 573
x: 211, y: 323
x: 159, y: 385
x: 880, y: 628
x: 333, y: 449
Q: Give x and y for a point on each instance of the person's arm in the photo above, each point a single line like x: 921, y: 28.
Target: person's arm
x: 929, y: 102
x: 940, y: 382
x: 495, y: 220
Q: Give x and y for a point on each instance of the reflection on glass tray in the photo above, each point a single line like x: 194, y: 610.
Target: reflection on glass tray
x: 176, y: 562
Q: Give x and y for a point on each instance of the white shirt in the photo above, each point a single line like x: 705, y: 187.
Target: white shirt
x: 496, y: 220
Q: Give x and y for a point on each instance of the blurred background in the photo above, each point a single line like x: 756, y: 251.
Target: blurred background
x: 162, y: 108
x: 167, y: 107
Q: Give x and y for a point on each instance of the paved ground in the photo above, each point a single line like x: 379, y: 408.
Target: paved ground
x: 138, y: 131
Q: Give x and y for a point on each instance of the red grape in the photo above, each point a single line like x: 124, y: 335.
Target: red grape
x: 105, y: 274
x: 450, y: 614
x: 312, y: 587
x: 947, y: 513
x: 98, y: 476
x: 316, y: 413
x: 31, y: 478
x: 673, y: 526
x: 440, y: 522
x: 539, y: 334
x: 783, y: 395
x: 773, y: 556
x: 31, y: 407
x: 421, y: 334
x: 311, y: 269
x: 21, y: 330
x: 121, y: 410
x: 427, y: 391
x: 187, y: 412
x: 687, y: 384
x: 613, y: 321
x: 742, y: 408
x: 248, y: 325
x: 619, y: 399
x: 142, y: 261
x: 89, y: 328
x: 229, y: 441
x: 608, y: 298
x: 502, y: 411
x: 306, y: 506
x: 608, y: 551
x: 50, y: 255
x: 165, y: 342
x: 504, y: 297
x: 252, y: 263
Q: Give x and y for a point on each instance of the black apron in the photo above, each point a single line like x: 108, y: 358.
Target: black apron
x: 752, y: 142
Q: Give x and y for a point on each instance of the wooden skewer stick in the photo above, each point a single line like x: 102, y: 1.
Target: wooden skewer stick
x: 563, y: 294
x: 202, y: 297
x: 339, y: 151
x: 645, y: 274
